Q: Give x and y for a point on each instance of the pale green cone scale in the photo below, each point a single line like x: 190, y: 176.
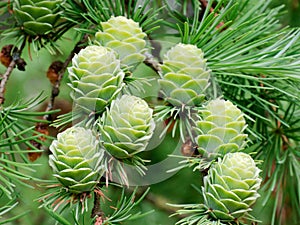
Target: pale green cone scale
x: 37, y: 17
x: 96, y: 78
x: 127, y: 126
x: 220, y: 129
x: 184, y: 76
x: 124, y: 36
x: 231, y: 186
x: 77, y: 160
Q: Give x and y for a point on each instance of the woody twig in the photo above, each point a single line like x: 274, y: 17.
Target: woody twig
x: 10, y: 57
x: 55, y: 74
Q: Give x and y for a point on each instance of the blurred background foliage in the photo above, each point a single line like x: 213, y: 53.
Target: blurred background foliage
x: 292, y: 17
x: 177, y: 189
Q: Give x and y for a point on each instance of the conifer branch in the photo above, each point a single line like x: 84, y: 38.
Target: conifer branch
x: 56, y: 84
x: 55, y: 74
x: 161, y: 203
x: 249, y: 60
x: 204, y: 3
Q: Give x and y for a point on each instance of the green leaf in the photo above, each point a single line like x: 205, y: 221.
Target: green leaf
x: 57, y: 216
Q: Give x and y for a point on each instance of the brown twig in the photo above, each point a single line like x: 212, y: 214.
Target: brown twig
x: 14, y: 62
x: 162, y: 204
x: 152, y: 63
x: 10, y: 10
x: 97, y: 213
x: 56, y: 70
x: 204, y: 3
x: 56, y: 85
x: 4, y: 80
x: 155, y: 53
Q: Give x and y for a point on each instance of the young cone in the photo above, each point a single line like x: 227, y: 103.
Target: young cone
x: 185, y: 76
x: 127, y: 126
x: 77, y: 160
x: 220, y: 129
x: 96, y: 78
x: 37, y: 17
x: 231, y: 186
x: 125, y: 37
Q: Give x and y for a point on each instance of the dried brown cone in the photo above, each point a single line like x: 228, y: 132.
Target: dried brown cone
x: 6, y: 55
x: 53, y: 71
x: 44, y: 128
x: 40, y: 128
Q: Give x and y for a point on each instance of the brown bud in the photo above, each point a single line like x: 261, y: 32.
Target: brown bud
x: 20, y: 62
x: 43, y: 129
x: 188, y: 148
x: 32, y: 156
x: 5, y: 55
x: 53, y: 71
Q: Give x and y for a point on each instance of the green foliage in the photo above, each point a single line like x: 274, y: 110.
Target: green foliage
x: 8, y: 207
x: 120, y: 211
x: 90, y: 13
x: 17, y: 136
x: 213, y: 83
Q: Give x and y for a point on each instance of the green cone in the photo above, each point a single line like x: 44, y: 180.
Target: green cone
x: 185, y: 76
x: 76, y: 159
x: 37, y: 17
x: 125, y: 37
x: 220, y: 129
x: 127, y: 126
x: 231, y: 186
x: 96, y: 78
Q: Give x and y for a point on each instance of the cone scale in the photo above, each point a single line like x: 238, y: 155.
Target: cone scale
x: 230, y: 188
x: 37, y: 17
x: 220, y: 129
x: 96, y: 78
x: 127, y: 127
x: 76, y: 160
x: 124, y: 36
x: 184, y: 76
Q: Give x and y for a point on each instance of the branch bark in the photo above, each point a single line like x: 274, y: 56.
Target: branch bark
x: 97, y: 213
x: 149, y: 61
x: 15, y: 59
x: 55, y: 88
x: 4, y: 80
